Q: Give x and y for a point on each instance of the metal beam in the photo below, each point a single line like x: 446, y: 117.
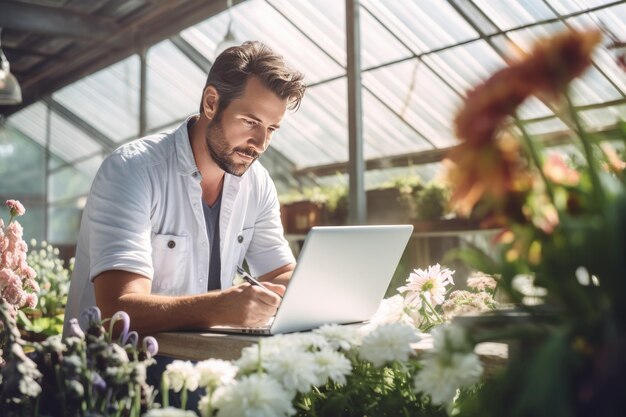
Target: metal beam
x: 33, y: 18
x: 134, y: 37
x: 107, y: 143
x: 357, y: 211
x: 192, y: 53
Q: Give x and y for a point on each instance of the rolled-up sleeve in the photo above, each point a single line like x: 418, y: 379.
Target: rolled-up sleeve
x: 119, y: 219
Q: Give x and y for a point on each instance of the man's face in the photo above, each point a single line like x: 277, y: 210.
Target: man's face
x: 245, y: 128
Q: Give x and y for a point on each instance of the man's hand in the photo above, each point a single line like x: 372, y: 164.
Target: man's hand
x: 249, y: 305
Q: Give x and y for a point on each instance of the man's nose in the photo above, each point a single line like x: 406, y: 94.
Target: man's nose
x: 261, y: 138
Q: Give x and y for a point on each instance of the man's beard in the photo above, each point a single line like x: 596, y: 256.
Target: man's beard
x: 223, y: 156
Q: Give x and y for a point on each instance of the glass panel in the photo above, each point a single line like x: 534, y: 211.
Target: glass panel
x: 174, y: 86
x: 251, y: 20
x: 465, y: 66
x: 69, y: 142
x: 604, y: 117
x: 323, y: 21
x: 533, y: 108
x: 31, y: 121
x: 475, y: 16
x: 524, y: 39
x: 64, y: 222
x: 108, y: 100
x: 317, y: 133
x: 509, y: 14
x: 422, y: 25
x: 385, y: 133
x: 564, y: 7
x: 592, y: 88
x: 73, y: 181
x: 419, y: 96
x: 22, y: 178
x: 378, y: 45
x: 543, y: 127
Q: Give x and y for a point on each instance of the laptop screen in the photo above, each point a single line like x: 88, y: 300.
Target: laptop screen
x: 341, y: 276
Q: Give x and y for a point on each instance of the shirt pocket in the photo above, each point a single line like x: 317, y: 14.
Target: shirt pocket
x: 244, y: 237
x: 170, y: 255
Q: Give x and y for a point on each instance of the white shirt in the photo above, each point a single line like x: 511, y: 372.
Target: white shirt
x: 144, y: 215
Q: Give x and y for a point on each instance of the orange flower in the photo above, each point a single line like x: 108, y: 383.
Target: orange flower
x: 550, y: 66
x: 554, y: 62
x: 488, y: 105
x: 486, y: 172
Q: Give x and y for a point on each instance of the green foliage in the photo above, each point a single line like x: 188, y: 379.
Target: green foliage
x: 54, y: 281
x: 370, y: 391
x: 431, y: 202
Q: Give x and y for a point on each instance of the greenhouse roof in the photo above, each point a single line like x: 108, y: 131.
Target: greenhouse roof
x: 418, y: 59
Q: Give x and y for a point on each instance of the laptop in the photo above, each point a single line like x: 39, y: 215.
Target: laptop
x: 341, y: 277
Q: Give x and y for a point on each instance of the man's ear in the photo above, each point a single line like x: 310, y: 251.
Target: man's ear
x: 210, y: 102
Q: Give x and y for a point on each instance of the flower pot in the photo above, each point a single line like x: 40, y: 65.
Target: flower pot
x: 298, y: 217
x: 389, y: 206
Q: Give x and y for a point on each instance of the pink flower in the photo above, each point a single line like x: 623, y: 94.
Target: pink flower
x: 556, y: 170
x: 16, y: 208
x: 31, y: 300
x: 32, y: 284
x: 14, y: 232
x: 7, y: 277
x: 14, y: 295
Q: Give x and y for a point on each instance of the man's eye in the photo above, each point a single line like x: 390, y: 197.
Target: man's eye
x: 249, y: 123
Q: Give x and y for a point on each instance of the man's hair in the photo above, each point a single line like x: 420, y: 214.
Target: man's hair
x: 234, y: 66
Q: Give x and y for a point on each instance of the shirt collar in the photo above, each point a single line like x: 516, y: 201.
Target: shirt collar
x: 186, y: 161
x: 184, y: 154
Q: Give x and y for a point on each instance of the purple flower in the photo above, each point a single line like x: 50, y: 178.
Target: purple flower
x: 75, y: 329
x: 150, y: 345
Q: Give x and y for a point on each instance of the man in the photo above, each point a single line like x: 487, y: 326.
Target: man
x: 170, y: 216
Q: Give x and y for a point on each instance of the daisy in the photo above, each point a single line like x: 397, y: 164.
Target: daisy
x: 428, y: 284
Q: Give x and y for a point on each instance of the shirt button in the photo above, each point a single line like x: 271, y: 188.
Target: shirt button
x: 204, y: 244
x: 239, y: 238
x: 171, y: 244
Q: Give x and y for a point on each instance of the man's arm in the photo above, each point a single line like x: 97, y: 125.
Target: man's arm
x: 279, y: 276
x: 242, y: 305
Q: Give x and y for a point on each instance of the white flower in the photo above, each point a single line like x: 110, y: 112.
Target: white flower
x: 451, y: 365
x: 294, y: 368
x: 181, y: 373
x: 450, y: 338
x: 441, y: 375
x: 429, y: 283
x: 257, y: 395
x: 394, y: 310
x: 169, y: 412
x: 249, y: 359
x: 390, y: 342
x: 340, y: 337
x: 331, y: 365
x: 215, y: 372
x: 302, y: 341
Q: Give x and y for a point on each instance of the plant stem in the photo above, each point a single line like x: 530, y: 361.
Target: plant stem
x: 535, y: 157
x: 430, y: 307
x: 183, y: 397
x: 165, y: 392
x: 585, y: 140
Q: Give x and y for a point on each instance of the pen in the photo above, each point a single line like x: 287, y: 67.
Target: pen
x: 253, y: 281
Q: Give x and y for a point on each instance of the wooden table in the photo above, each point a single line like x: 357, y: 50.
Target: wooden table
x: 200, y: 346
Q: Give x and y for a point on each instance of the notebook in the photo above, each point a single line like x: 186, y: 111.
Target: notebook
x: 341, y: 277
